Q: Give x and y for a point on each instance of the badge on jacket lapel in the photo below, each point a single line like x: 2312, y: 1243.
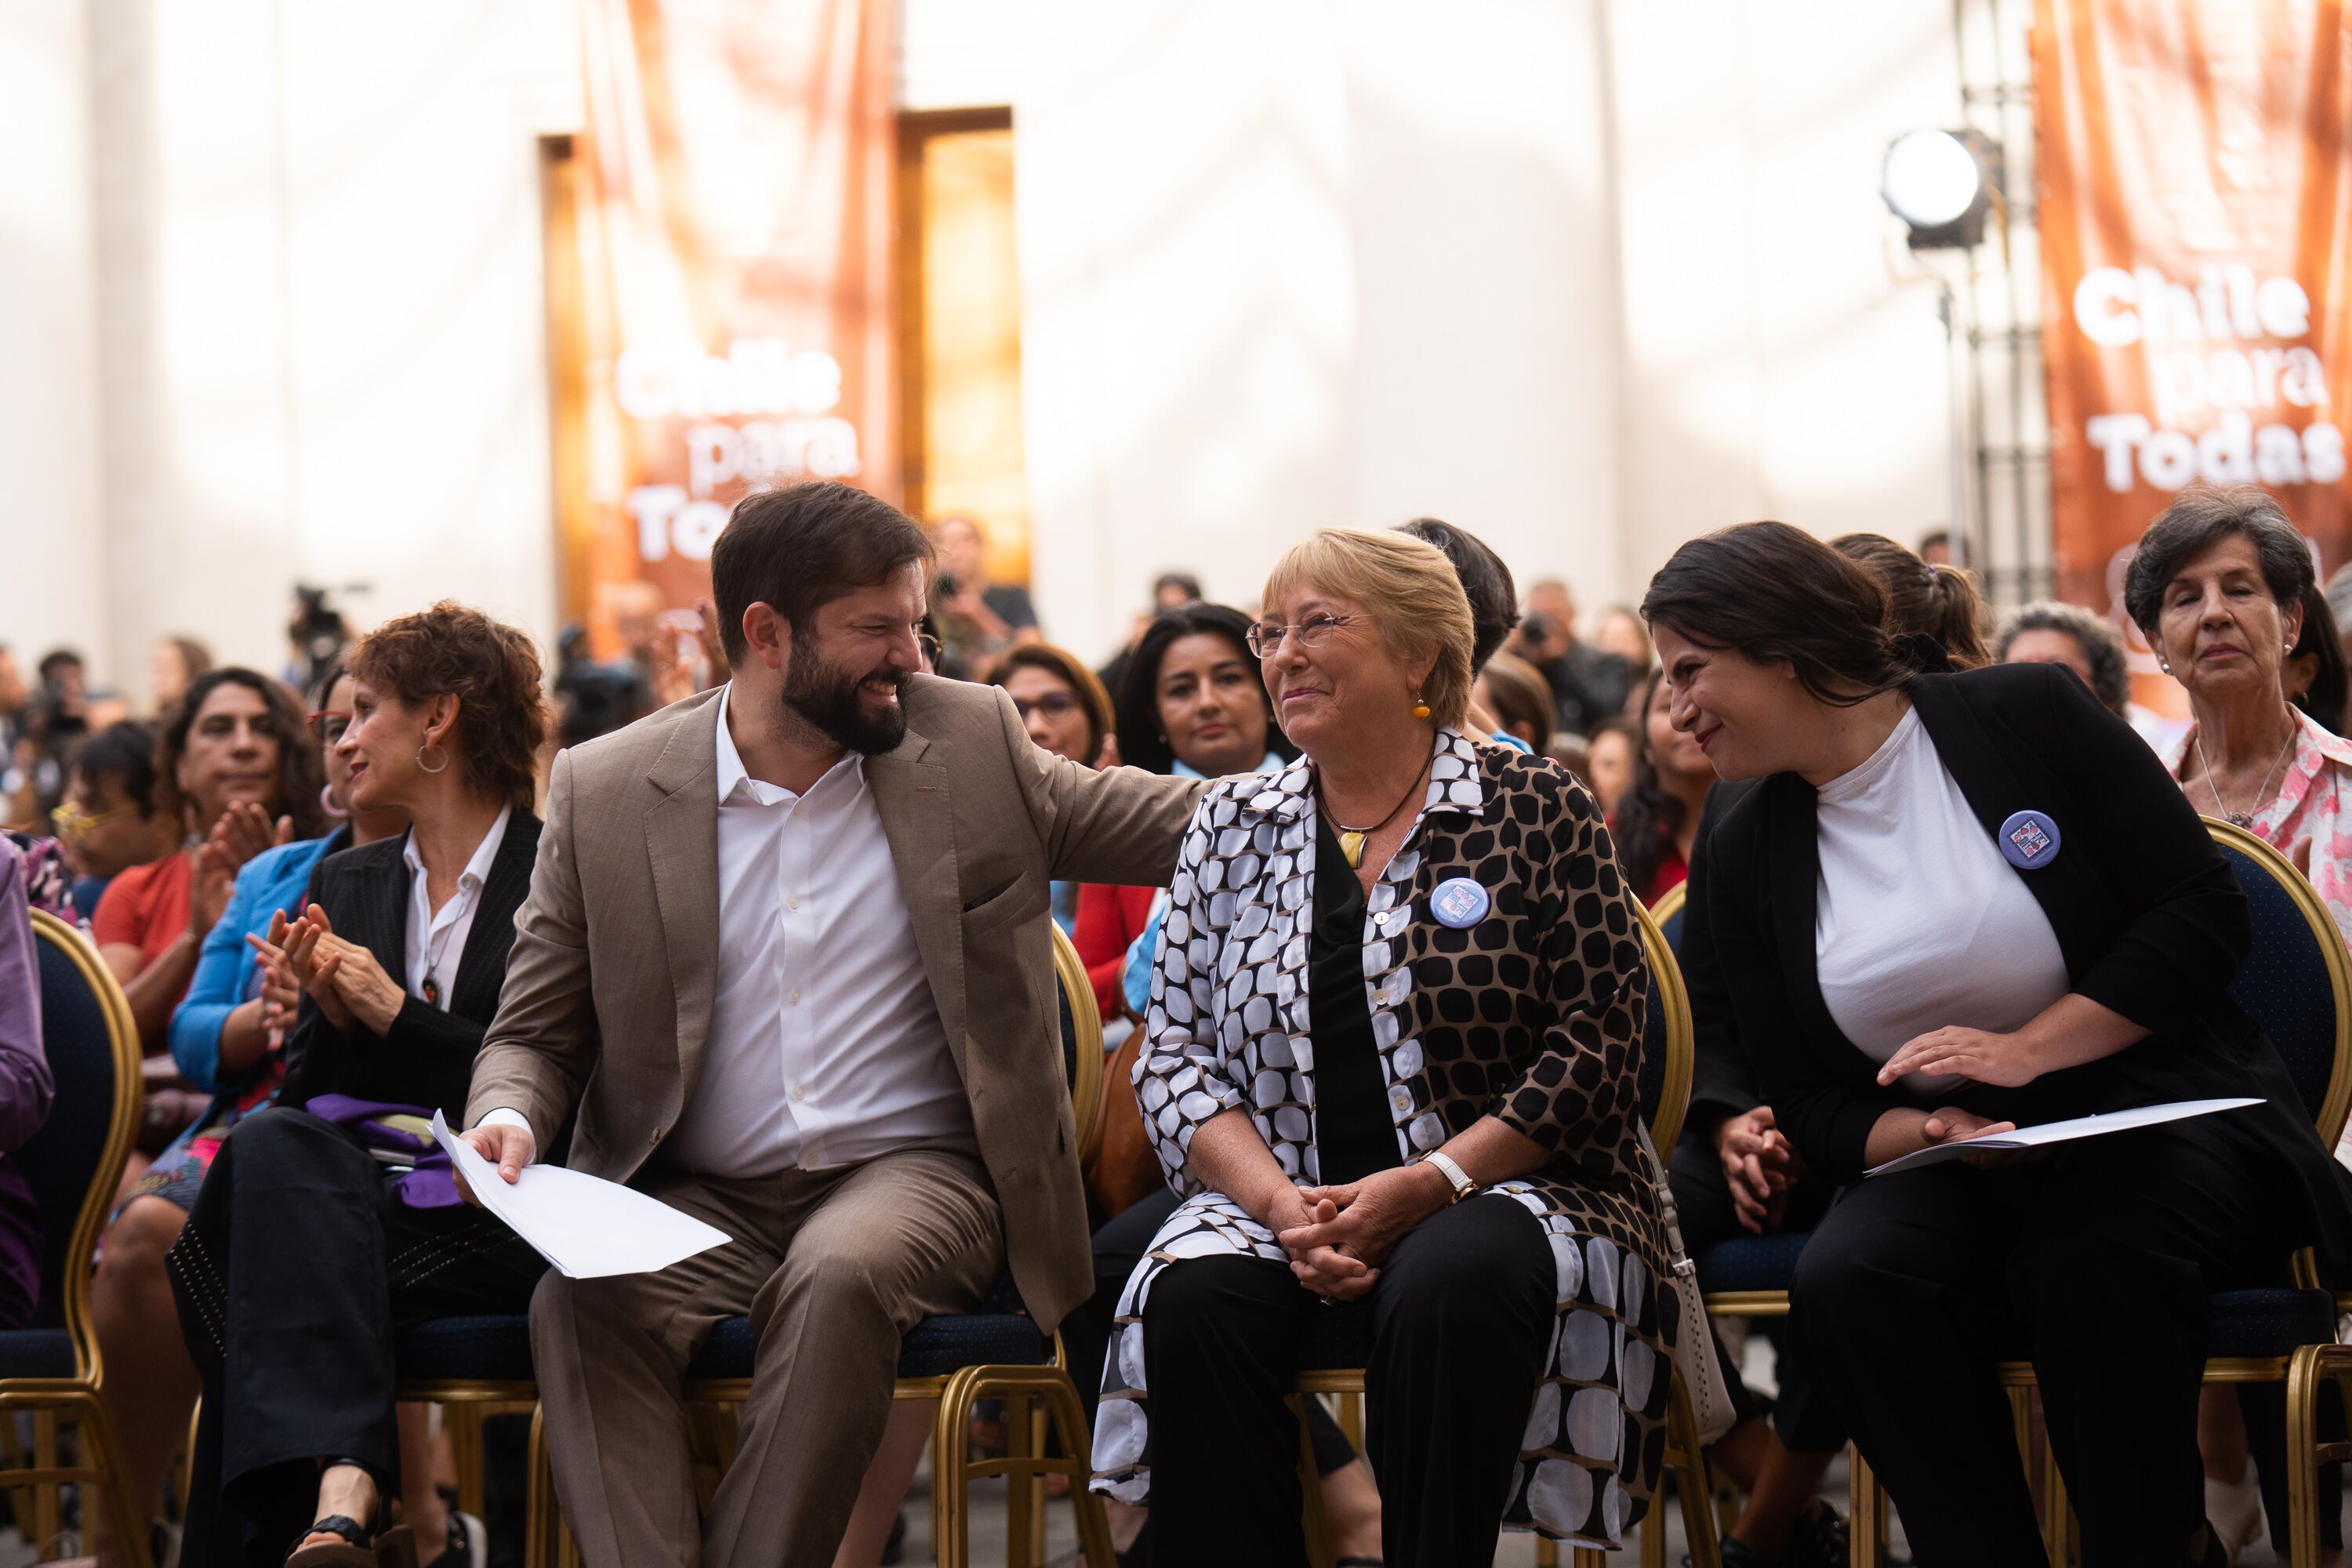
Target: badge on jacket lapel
x: 1458, y: 901
x: 2030, y: 840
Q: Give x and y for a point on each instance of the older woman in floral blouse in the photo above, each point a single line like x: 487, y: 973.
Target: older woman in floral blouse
x: 2219, y: 586
x: 1401, y: 972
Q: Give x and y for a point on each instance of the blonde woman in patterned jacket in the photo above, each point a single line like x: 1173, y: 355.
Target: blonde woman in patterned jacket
x: 1401, y: 973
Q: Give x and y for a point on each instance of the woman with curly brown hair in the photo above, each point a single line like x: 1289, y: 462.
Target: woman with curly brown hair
x: 325, y: 1247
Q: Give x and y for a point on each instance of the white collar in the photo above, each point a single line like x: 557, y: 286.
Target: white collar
x: 732, y: 772
x: 477, y: 869
x: 1453, y: 782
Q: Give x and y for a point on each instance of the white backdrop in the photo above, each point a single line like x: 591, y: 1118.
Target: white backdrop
x: 1588, y: 277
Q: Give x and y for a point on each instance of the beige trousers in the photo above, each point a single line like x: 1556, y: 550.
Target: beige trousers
x: 833, y: 1268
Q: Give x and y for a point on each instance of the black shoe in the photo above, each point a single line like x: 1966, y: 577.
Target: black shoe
x: 895, y: 1549
x: 1822, y: 1539
x: 1737, y: 1553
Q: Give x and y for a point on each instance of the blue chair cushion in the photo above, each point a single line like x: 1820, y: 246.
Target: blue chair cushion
x: 496, y: 1349
x: 56, y: 1163
x: 2272, y: 1322
x: 486, y: 1349
x: 936, y: 1346
x: 2283, y: 982
x: 1750, y: 1263
x: 35, y: 1353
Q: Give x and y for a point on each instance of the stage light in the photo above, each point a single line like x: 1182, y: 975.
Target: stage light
x: 1942, y: 184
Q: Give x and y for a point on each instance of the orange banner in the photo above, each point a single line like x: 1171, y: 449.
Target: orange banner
x: 2193, y: 213
x: 732, y: 236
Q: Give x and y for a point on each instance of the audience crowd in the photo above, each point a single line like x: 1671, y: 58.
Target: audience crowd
x: 1352, y: 868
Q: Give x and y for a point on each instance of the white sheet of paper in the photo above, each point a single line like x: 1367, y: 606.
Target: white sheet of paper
x: 2059, y: 1131
x: 586, y: 1227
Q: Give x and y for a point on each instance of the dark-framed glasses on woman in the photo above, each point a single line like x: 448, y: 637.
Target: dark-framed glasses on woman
x: 1265, y: 636
x: 1053, y: 704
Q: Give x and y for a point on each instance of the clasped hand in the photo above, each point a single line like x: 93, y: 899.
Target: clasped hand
x: 1760, y: 1166
x: 342, y: 977
x: 1338, y: 1236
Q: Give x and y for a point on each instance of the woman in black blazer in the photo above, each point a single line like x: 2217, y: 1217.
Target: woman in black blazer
x: 1958, y: 903
x: 315, y: 1244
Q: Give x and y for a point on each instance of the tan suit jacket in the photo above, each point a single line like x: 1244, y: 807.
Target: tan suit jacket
x: 608, y: 992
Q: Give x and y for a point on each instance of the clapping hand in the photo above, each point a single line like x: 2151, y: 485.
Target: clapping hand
x: 295, y: 944
x: 245, y: 830
x: 280, y: 996
x: 362, y: 983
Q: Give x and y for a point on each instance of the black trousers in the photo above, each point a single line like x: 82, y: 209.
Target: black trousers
x: 297, y: 1275
x: 1703, y: 1199
x: 2096, y: 1264
x: 1461, y: 1321
x: 1120, y: 1246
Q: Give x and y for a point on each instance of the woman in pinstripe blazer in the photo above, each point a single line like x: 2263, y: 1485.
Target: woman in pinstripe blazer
x: 316, y: 1241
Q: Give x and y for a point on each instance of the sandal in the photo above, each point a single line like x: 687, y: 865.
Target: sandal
x: 357, y: 1548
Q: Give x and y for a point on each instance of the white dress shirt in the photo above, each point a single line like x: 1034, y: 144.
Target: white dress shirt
x: 826, y: 1048
x: 436, y: 938
x: 1921, y: 924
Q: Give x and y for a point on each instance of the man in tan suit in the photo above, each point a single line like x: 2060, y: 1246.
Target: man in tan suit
x: 787, y: 954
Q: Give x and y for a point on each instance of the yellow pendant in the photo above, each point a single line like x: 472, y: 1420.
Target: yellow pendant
x: 1351, y: 844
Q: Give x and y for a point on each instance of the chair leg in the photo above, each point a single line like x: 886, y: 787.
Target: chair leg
x: 1021, y: 1491
x: 47, y: 1512
x: 1866, y: 1505
x: 1547, y: 1553
x: 950, y: 1474
x: 104, y: 1455
x: 2305, y: 1371
x: 463, y: 1421
x: 1069, y: 1420
x: 1321, y: 1552
x: 1693, y: 1485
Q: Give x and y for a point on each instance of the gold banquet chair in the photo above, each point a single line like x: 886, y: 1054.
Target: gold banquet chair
x: 2296, y: 982
x: 993, y: 1353
x: 1666, y: 1062
x: 73, y: 1164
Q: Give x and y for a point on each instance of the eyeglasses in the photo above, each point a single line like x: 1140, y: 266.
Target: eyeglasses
x: 329, y: 723
x: 1054, y: 705
x: 932, y: 648
x: 1266, y: 637
x: 72, y: 824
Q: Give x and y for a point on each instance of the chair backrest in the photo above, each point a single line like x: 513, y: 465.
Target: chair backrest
x: 1082, y: 1065
x: 1666, y: 1033
x: 2296, y: 980
x: 74, y: 1162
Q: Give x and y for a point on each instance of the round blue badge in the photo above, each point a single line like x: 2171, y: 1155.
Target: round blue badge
x: 2030, y: 840
x: 1458, y: 901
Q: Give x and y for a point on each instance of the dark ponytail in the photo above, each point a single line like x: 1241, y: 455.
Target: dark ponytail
x: 1939, y: 602
x: 1776, y: 595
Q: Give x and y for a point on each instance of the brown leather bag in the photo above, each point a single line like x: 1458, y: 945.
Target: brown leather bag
x: 1122, y: 1171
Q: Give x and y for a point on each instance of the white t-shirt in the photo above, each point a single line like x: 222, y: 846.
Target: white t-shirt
x: 1921, y: 924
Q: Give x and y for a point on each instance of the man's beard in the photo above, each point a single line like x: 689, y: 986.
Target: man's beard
x: 831, y: 701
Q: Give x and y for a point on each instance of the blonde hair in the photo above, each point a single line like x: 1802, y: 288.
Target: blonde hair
x: 1412, y: 593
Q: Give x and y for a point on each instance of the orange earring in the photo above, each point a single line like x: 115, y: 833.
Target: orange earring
x: 1419, y: 708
